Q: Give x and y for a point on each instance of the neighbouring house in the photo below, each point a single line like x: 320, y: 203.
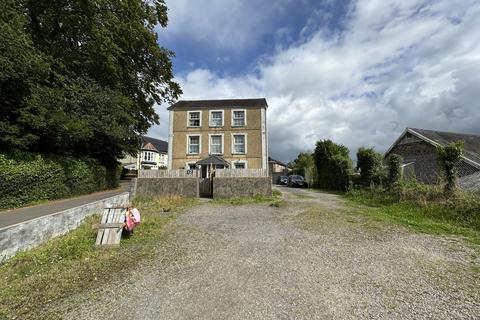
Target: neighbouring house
x: 218, y: 134
x: 277, y: 169
x: 418, y: 149
x: 151, y: 156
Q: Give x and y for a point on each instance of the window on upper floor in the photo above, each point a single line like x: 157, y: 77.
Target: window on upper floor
x: 194, y: 118
x: 148, y: 156
x: 239, y: 143
x: 216, y: 118
x: 216, y: 144
x: 238, y: 118
x: 193, y: 145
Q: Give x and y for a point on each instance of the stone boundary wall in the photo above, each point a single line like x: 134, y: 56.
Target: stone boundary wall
x: 31, y: 233
x: 224, y: 187
x: 186, y: 187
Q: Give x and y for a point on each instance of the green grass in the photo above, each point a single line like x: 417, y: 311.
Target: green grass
x: 440, y: 217
x: 275, y: 200
x: 34, y: 281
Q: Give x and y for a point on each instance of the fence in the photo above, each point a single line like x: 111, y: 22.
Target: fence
x: 180, y: 173
x: 241, y: 173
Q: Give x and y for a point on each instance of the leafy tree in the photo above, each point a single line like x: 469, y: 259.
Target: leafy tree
x: 369, y: 162
x: 333, y: 165
x: 98, y: 73
x: 394, y: 161
x: 302, y: 163
x: 449, y: 157
x: 22, y: 69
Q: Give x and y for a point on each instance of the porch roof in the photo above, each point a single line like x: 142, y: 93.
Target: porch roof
x: 212, y: 159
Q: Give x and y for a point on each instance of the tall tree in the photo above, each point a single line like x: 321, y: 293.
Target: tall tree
x: 370, y: 164
x: 302, y: 163
x: 333, y: 164
x: 105, y: 73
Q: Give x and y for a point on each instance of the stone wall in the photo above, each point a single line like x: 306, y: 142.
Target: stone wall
x: 426, y: 167
x: 29, y: 234
x: 241, y: 187
x: 187, y: 187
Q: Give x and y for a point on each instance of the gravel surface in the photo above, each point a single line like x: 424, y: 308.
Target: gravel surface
x: 312, y: 259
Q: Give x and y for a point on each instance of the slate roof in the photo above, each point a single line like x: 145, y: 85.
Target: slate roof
x: 471, y: 152
x: 270, y: 159
x: 157, y: 144
x: 213, y: 160
x: 472, y: 141
x: 244, y: 103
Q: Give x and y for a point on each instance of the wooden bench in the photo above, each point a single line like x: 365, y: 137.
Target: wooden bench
x: 110, y: 229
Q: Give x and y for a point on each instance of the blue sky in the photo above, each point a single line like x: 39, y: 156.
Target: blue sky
x: 356, y: 72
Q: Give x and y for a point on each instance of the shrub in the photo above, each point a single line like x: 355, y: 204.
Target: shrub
x: 333, y: 165
x: 394, y: 170
x: 449, y: 157
x: 369, y: 162
x: 26, y: 178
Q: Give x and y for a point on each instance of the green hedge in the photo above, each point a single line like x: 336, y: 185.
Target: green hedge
x: 27, y: 178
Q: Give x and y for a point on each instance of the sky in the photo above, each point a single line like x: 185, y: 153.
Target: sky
x: 355, y: 72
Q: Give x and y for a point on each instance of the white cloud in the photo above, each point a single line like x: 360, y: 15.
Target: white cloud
x: 397, y: 64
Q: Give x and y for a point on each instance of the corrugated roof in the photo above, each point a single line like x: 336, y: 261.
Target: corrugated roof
x: 245, y: 103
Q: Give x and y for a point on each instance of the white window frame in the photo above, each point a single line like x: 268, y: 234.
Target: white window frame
x: 199, y: 144
x: 148, y: 156
x: 244, y: 120
x: 239, y: 161
x: 188, y: 118
x: 233, y: 141
x: 210, y: 118
x: 210, y: 143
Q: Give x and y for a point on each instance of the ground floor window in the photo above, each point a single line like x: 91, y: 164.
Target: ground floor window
x: 240, y: 165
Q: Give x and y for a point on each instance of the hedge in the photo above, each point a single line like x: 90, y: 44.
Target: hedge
x: 27, y: 178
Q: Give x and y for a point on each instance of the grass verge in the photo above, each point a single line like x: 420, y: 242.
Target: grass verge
x: 36, y: 280
x: 275, y: 200
x: 431, y: 217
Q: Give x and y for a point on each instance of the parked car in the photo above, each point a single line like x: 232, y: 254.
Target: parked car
x: 283, y: 180
x: 297, y: 181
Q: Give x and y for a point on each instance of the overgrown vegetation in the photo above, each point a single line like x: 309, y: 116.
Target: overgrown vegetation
x: 449, y: 157
x: 425, y: 208
x: 394, y: 171
x: 81, y: 78
x: 28, y: 178
x: 370, y: 165
x: 34, y: 281
x: 333, y: 166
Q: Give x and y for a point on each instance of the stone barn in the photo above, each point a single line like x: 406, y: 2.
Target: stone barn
x: 418, y: 149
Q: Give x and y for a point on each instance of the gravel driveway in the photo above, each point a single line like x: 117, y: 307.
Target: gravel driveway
x: 313, y: 259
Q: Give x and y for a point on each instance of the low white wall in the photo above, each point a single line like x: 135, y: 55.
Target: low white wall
x: 31, y: 233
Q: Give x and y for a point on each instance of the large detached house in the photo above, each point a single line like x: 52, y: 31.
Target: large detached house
x: 152, y: 155
x: 218, y: 133
x: 418, y: 149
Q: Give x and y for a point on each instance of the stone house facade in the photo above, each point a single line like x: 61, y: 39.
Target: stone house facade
x: 232, y: 132
x: 418, y: 149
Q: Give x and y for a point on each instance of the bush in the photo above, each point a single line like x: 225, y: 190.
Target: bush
x: 394, y: 162
x: 333, y: 165
x: 369, y: 162
x: 26, y: 178
x: 449, y: 157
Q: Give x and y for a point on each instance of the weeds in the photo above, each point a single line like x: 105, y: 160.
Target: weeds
x: 34, y: 281
x: 424, y: 208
